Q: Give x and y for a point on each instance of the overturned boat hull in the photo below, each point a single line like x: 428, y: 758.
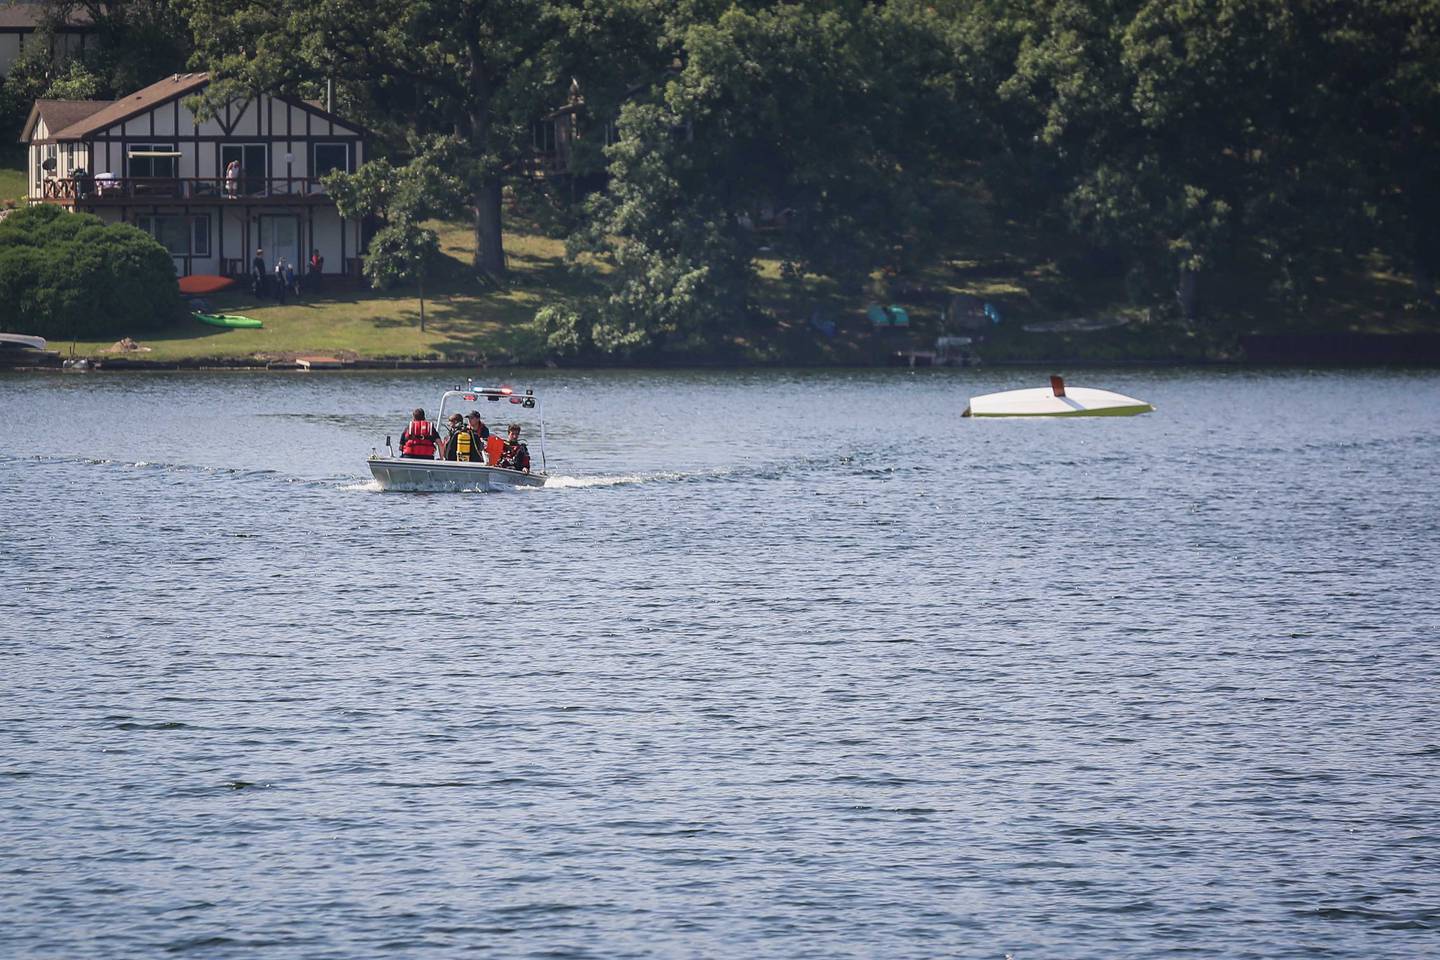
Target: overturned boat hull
x: 1044, y: 402
x: 441, y: 476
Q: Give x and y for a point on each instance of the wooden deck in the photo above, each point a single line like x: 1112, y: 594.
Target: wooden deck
x: 128, y: 191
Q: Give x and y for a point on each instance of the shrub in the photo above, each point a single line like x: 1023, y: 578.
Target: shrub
x: 563, y: 330
x: 71, y: 276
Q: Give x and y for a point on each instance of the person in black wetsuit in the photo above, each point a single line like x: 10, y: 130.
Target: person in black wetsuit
x: 477, y: 427
x: 257, y: 274
x: 516, y: 455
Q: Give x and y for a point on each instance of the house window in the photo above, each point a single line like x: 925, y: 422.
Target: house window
x: 152, y: 160
x: 200, y: 235
x: 48, y: 163
x: 180, y: 236
x: 328, y: 157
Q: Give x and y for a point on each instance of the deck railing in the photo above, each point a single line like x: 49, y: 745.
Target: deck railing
x: 99, y: 189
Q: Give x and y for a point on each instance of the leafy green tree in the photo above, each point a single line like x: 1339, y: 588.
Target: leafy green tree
x: 484, y: 70
x: 1215, y: 138
x: 138, y: 41
x: 1382, y: 86
x: 815, y: 121
x: 75, y: 81
x: 403, y: 250
x: 134, y: 43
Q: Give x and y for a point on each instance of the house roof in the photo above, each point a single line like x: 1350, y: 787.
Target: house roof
x: 31, y: 15
x: 59, y: 114
x: 88, y: 117
x: 115, y: 111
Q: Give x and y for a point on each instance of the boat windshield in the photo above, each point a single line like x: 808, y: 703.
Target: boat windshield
x: 499, y: 407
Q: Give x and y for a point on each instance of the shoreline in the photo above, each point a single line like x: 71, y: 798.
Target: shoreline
x: 1255, y: 351
x: 372, y: 366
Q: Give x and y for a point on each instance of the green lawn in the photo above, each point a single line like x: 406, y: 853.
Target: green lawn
x: 463, y: 318
x: 12, y: 174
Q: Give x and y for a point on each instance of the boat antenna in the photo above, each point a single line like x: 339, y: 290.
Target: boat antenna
x: 544, y: 467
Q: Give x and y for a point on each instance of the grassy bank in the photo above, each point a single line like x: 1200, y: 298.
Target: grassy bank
x: 1049, y: 310
x: 464, y: 319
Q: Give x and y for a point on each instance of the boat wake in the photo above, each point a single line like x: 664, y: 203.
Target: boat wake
x: 361, y: 486
x: 164, y: 470
x: 613, y: 480
x: 353, y: 483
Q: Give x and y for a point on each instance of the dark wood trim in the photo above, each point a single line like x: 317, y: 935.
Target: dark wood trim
x: 235, y: 120
x: 212, y: 138
x: 323, y: 114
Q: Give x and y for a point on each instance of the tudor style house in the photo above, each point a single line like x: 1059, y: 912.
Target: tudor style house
x: 211, y: 191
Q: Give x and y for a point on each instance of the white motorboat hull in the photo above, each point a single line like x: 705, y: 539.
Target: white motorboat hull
x: 441, y: 476
x: 1042, y: 402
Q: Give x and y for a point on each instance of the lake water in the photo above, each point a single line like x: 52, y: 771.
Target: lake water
x: 784, y: 665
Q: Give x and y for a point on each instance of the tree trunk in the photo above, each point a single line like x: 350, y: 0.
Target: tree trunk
x: 1427, y: 241
x: 484, y: 182
x: 489, y: 242
x: 421, y: 283
x: 1186, y: 293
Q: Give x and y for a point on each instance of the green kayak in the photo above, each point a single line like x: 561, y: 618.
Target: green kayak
x: 225, y: 320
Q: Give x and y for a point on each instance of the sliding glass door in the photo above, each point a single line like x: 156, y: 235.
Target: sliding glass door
x: 254, y: 159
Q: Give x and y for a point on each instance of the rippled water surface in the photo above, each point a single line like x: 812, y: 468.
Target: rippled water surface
x: 781, y: 665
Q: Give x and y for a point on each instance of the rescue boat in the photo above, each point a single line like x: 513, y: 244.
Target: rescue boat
x: 412, y: 474
x: 1057, y: 400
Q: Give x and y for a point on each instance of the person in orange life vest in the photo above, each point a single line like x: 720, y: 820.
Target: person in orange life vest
x: 462, y: 445
x: 516, y: 456
x: 418, y: 440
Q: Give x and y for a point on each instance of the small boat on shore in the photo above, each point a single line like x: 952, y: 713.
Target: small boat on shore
x: 229, y: 320
x: 417, y: 475
x: 1057, y: 400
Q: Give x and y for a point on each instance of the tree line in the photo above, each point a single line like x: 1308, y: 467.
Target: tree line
x: 1182, y: 147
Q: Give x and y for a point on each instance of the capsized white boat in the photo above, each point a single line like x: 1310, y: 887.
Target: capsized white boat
x: 445, y: 476
x: 21, y: 341
x: 1057, y: 400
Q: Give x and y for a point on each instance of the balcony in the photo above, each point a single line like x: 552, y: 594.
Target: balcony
x: 103, y: 191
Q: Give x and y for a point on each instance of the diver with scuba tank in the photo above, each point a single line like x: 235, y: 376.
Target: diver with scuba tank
x: 463, y: 445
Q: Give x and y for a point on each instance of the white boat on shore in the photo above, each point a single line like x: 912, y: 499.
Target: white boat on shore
x: 418, y: 475
x: 1057, y: 400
